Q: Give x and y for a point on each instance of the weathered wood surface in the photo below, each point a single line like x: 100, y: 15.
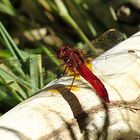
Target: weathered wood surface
x: 57, y: 114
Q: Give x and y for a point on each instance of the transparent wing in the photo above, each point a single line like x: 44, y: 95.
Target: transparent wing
x: 115, y: 63
x: 31, y: 79
x: 107, y: 64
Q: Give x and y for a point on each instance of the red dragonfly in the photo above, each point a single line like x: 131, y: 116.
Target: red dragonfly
x: 75, y: 62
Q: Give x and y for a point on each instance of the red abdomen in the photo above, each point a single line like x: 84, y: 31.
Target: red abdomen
x: 95, y: 82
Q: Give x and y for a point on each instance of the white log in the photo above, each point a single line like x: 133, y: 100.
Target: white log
x: 57, y: 114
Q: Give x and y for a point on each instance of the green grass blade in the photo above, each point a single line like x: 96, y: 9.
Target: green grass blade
x: 36, y: 70
x: 7, y: 8
x: 17, y: 79
x: 10, y: 43
x: 50, y: 54
x: 6, y: 78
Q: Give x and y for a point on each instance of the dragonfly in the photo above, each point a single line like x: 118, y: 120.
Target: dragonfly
x: 75, y: 61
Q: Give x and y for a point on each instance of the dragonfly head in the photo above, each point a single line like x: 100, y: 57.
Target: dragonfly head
x: 64, y: 51
x: 70, y: 56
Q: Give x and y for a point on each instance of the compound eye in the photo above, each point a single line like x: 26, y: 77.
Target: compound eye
x: 66, y: 59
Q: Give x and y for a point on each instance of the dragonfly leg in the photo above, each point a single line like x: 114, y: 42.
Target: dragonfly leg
x: 72, y: 83
x: 62, y: 74
x: 64, y: 71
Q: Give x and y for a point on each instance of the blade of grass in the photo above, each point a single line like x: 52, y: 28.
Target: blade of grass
x: 7, y: 101
x: 36, y: 69
x: 85, y: 17
x: 17, y: 54
x: 64, y: 14
x: 6, y: 78
x: 50, y: 54
x: 6, y: 7
x: 17, y: 79
x: 10, y: 43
